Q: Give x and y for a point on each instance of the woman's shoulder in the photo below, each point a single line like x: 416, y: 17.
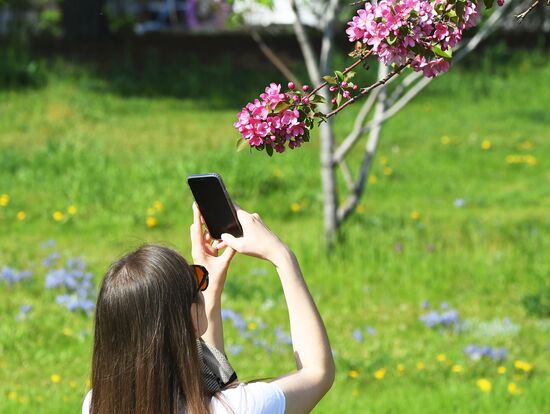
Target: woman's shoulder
x: 251, y: 398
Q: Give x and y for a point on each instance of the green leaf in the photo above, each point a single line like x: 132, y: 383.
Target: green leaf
x: 321, y: 115
x: 269, y: 150
x: 305, y: 137
x: 330, y: 79
x: 338, y: 99
x: 349, y: 76
x: 242, y: 144
x: 317, y: 99
x: 281, y: 106
x: 339, y: 75
x: 488, y: 3
x: 392, y: 39
x: 447, y: 54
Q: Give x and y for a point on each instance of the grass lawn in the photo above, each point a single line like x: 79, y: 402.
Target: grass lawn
x: 457, y: 213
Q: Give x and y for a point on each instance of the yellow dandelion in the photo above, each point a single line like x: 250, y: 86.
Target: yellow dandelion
x: 484, y: 384
x: 373, y: 179
x: 12, y: 395
x: 88, y: 383
x: 151, y: 211
x: 380, y: 373
x: 501, y: 370
x: 151, y: 222
x: 486, y: 145
x: 21, y: 215
x: 513, y: 159
x: 523, y: 366
x: 360, y: 208
x: 58, y: 216
x: 157, y: 205
x: 72, y: 210
x: 530, y: 160
x: 388, y: 171
x: 441, y: 358
x: 445, y: 140
x: 55, y: 378
x: 383, y: 160
x: 295, y: 207
x: 457, y: 368
x: 514, y: 389
x: 67, y: 332
x: 420, y: 366
x: 252, y: 326
x: 415, y: 215
x: 72, y: 384
x: 4, y: 200
x: 277, y: 172
x: 353, y: 374
x: 400, y: 369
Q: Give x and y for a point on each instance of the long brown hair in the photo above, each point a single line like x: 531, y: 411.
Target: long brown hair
x: 145, y: 357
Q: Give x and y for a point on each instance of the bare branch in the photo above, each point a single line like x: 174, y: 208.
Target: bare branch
x: 305, y: 45
x: 347, y: 175
x: 521, y: 16
x: 273, y: 58
x: 328, y: 35
x: 370, y: 150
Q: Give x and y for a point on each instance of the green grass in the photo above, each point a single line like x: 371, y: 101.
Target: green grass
x: 97, y: 141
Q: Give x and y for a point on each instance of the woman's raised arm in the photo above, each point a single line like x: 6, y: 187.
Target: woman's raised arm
x: 314, y: 376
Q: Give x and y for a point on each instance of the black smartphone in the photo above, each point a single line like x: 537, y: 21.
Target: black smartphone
x: 215, y: 205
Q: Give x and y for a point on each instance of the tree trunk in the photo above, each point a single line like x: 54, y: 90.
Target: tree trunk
x: 328, y: 178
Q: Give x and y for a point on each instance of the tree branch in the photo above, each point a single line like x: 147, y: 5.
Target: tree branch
x: 366, y: 90
x: 305, y: 44
x: 273, y: 58
x: 521, y: 16
x: 328, y: 35
x: 370, y: 149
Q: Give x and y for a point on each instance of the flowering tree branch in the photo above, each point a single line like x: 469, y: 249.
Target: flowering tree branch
x: 412, y: 85
x: 366, y: 90
x: 415, y: 33
x: 419, y: 34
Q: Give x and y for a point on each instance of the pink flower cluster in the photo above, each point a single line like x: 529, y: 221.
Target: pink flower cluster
x: 262, y: 124
x: 401, y: 30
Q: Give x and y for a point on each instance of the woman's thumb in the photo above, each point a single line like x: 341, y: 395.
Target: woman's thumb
x: 229, y: 239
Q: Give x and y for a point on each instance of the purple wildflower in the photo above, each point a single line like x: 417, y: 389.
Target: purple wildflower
x: 358, y: 335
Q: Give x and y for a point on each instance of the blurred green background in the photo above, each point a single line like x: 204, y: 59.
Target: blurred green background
x: 94, y: 151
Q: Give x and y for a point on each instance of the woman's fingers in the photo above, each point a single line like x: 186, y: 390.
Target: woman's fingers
x: 228, y: 254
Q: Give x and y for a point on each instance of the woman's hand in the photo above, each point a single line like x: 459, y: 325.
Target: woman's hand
x: 257, y: 240
x: 205, y: 252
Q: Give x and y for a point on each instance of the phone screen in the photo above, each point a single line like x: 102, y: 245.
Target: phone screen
x: 215, y: 205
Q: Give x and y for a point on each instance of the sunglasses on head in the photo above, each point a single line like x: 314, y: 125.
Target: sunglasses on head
x: 202, y: 276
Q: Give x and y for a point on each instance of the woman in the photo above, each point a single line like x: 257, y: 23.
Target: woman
x: 153, y: 308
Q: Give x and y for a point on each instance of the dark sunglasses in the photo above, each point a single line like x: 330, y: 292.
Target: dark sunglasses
x: 202, y: 276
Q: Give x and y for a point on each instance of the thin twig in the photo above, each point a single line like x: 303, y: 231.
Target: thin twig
x: 322, y: 85
x: 521, y: 16
x: 273, y: 58
x: 366, y: 90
